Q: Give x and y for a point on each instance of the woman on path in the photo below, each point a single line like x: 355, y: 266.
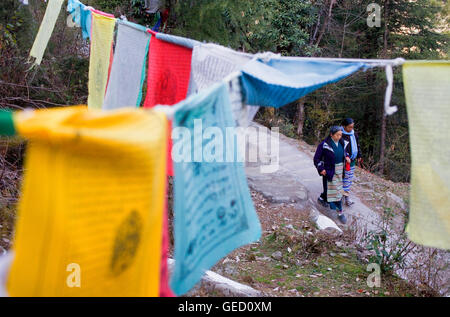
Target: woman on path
x: 329, y: 161
x: 349, y: 135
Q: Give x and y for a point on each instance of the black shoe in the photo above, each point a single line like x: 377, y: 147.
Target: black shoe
x: 322, y: 201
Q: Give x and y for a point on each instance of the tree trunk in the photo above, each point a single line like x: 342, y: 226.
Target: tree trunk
x: 325, y: 22
x: 383, y: 141
x: 301, y: 116
x: 383, y: 114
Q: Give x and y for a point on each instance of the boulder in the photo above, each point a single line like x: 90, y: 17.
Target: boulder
x: 277, y: 255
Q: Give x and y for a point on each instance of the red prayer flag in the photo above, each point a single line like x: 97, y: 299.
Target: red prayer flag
x: 169, y: 70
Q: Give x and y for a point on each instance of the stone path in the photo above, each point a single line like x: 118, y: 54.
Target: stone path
x: 297, y: 181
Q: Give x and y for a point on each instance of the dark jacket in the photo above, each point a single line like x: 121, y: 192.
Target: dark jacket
x: 324, y: 157
x: 350, y: 150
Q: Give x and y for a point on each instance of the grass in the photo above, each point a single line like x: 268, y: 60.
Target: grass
x: 305, y: 273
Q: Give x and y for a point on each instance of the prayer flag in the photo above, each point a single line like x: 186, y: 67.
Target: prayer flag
x: 428, y: 103
x: 90, y: 215
x: 45, y: 30
x: 214, y: 213
x: 128, y: 67
x: 82, y: 16
x: 211, y: 63
x: 102, y: 39
x: 277, y: 82
x: 169, y: 69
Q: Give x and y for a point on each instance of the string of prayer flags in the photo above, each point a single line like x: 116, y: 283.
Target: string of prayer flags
x: 90, y: 216
x: 45, y: 30
x: 214, y: 213
x: 81, y: 16
x: 100, y: 59
x: 428, y: 104
x: 169, y: 69
x: 128, y: 67
x: 276, y: 82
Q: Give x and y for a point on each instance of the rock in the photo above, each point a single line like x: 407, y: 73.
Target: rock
x: 230, y: 270
x: 285, y: 266
x: 332, y: 254
x: 324, y: 222
x: 332, y: 232
x: 212, y: 281
x: 289, y: 250
x: 343, y: 255
x: 313, y: 214
x: 396, y: 200
x: 289, y: 226
x: 367, y: 184
x: 329, y: 269
x: 277, y: 255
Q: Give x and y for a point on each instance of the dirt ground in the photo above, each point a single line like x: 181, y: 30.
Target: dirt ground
x: 311, y: 263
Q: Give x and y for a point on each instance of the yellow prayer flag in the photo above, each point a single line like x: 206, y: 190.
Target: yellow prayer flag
x: 45, y: 30
x: 427, y: 91
x: 90, y: 213
x: 101, y: 44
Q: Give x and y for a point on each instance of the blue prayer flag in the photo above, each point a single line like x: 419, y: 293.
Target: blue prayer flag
x: 278, y: 82
x: 214, y: 212
x: 81, y: 16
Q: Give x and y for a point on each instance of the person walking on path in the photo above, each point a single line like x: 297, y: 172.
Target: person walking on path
x: 349, y: 135
x: 329, y: 161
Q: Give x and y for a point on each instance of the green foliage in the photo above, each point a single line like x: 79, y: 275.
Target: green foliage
x: 389, y: 250
x: 253, y: 26
x: 116, y: 7
x: 15, y: 22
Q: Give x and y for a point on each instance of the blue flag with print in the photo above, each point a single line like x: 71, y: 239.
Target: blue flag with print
x: 214, y: 212
x: 81, y: 16
x: 277, y: 82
